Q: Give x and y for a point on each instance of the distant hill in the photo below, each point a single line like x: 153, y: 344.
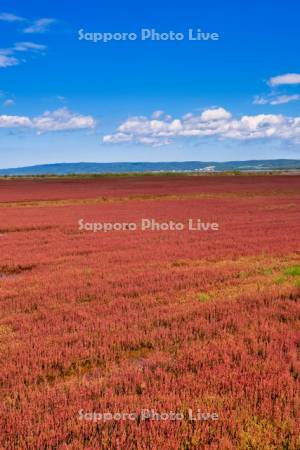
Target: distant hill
x: 130, y: 167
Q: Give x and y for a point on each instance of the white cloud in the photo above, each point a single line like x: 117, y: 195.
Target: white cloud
x: 62, y: 120
x: 7, y: 55
x: 274, y: 97
x: 157, y: 114
x: 216, y: 122
x: 28, y: 46
x: 14, y: 121
x: 9, y: 102
x: 7, y: 61
x: 215, y: 114
x: 276, y: 100
x: 258, y: 100
x: 288, y: 78
x: 282, y: 99
x: 8, y: 17
x: 58, y: 120
x: 36, y: 26
x: 117, y: 137
x: 39, y: 26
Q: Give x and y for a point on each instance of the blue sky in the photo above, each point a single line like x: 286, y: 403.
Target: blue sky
x: 63, y: 99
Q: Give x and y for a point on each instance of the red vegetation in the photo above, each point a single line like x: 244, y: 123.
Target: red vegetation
x: 125, y: 321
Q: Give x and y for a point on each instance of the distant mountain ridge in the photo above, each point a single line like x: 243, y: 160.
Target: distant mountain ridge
x: 140, y: 167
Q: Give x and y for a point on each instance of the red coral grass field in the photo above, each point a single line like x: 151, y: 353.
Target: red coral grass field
x: 104, y: 333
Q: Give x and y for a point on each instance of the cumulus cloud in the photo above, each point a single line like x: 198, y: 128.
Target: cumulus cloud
x: 39, y: 26
x: 215, y: 114
x: 62, y: 120
x: 14, y: 121
x: 59, y: 120
x: 216, y: 122
x: 8, y: 17
x: 287, y: 78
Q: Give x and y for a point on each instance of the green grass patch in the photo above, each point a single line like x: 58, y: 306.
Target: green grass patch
x: 293, y: 271
x: 242, y: 275
x: 297, y: 283
x: 280, y: 280
x: 203, y: 298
